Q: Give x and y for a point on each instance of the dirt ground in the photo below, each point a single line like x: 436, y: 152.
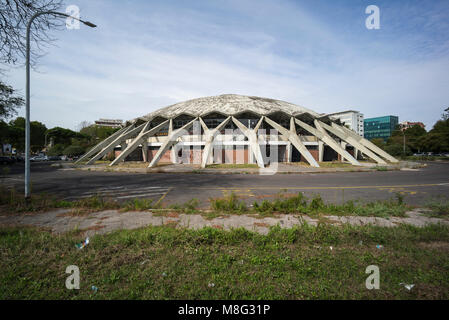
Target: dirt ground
x: 60, y: 221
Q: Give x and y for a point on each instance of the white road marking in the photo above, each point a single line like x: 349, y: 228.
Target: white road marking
x: 123, y: 192
x: 110, y: 188
x: 120, y: 191
x: 13, y: 179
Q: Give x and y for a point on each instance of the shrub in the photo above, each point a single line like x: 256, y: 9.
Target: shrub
x: 228, y: 204
x: 73, y: 151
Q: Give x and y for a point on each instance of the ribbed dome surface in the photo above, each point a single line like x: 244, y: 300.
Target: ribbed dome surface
x: 229, y: 104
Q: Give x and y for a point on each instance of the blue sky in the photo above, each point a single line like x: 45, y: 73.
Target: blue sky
x: 148, y: 54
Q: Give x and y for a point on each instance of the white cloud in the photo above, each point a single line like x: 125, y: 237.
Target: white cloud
x: 167, y: 56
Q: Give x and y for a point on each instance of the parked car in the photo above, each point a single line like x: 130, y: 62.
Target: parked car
x: 64, y: 158
x: 54, y: 158
x: 39, y: 158
x: 6, y: 160
x: 19, y: 158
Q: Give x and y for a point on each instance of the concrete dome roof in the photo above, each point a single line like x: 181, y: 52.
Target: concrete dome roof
x: 229, y: 104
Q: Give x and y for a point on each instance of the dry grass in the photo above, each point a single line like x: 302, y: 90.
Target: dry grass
x: 169, y: 263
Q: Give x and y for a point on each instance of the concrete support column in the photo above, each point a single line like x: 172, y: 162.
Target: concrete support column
x: 102, y: 144
x: 211, y: 156
x: 320, y: 151
x: 171, y: 140
x: 289, y: 152
x: 250, y: 155
x: 366, y: 143
x: 343, y: 145
x: 252, y: 139
x: 129, y: 132
x: 210, y: 135
x: 353, y: 140
x: 145, y: 150
x: 123, y: 146
x: 140, y: 139
x: 291, y: 136
x: 173, y: 154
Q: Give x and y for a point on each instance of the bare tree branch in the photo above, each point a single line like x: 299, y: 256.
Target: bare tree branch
x: 14, y: 16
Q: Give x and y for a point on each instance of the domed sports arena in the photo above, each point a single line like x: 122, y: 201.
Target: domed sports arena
x: 235, y: 129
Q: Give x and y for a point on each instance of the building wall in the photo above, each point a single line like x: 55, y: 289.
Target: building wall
x: 166, y: 157
x: 229, y: 154
x: 353, y: 119
x: 407, y: 124
x: 112, y: 123
x: 380, y: 127
x: 296, y: 156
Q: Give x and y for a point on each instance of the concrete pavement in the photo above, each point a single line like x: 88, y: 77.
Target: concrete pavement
x: 60, y: 221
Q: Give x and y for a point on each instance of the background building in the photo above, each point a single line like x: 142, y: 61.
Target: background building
x: 235, y: 129
x: 112, y: 123
x: 380, y: 127
x: 407, y: 124
x: 352, y: 119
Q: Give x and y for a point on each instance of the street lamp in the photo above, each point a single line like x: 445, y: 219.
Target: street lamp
x: 27, y: 113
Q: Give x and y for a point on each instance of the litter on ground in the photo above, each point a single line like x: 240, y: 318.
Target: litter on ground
x: 407, y: 286
x: 82, y: 244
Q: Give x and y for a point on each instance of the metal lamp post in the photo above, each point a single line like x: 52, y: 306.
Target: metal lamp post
x: 27, y: 113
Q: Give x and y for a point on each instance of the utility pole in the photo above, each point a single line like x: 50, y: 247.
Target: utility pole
x: 27, y: 92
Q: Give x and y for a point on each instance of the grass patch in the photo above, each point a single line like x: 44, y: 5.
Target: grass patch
x: 379, y: 168
x: 139, y: 204
x: 315, y: 206
x: 233, y: 166
x: 11, y: 202
x: 439, y: 207
x: 168, y: 263
x: 188, y: 207
x: 230, y: 204
x: 334, y: 164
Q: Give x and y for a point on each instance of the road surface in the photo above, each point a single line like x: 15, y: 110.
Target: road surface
x: 417, y: 186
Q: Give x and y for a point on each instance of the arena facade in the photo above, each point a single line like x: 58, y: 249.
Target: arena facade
x: 235, y: 129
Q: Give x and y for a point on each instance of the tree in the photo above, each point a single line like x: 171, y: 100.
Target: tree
x: 396, y: 149
x: 97, y: 133
x: 4, y: 134
x: 16, y: 137
x: 14, y: 17
x: 73, y: 151
x: 9, y: 101
x: 56, y: 150
x: 438, y: 138
x: 37, y: 136
x: 17, y: 134
x: 63, y: 136
x: 378, y: 142
x: 83, y: 124
x: 445, y: 115
x: 413, y: 138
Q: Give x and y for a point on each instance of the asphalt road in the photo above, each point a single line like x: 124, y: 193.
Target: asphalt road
x: 416, y: 186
